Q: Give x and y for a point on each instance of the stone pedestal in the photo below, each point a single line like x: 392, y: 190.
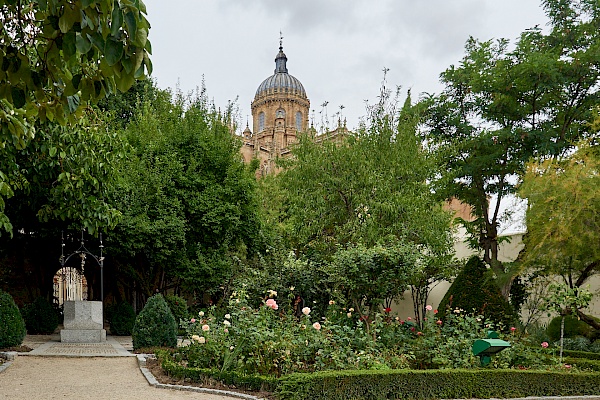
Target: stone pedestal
x: 83, y: 322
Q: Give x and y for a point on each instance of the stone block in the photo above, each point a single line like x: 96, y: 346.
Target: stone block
x: 82, y: 335
x: 83, y: 315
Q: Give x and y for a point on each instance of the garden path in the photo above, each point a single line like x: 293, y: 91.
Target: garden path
x: 81, y: 375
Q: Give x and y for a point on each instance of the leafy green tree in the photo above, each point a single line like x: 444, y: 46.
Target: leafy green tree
x: 55, y: 57
x: 563, y: 219
x: 366, y: 190
x: 501, y: 107
x: 189, y: 205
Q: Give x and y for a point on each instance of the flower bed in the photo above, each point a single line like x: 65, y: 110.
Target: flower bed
x: 346, y: 355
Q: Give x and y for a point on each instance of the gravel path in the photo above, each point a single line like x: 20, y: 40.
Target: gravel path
x: 46, y: 378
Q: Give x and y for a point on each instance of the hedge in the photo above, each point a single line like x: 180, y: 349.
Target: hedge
x: 199, y: 375
x: 401, y: 384
x: 580, y: 354
x: 583, y: 364
x: 435, y: 384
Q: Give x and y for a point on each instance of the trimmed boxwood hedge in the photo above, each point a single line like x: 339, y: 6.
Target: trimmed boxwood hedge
x: 435, y: 384
x: 401, y: 384
x: 247, y: 382
x: 580, y: 354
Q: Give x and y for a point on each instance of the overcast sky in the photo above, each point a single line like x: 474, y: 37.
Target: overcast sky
x: 336, y: 48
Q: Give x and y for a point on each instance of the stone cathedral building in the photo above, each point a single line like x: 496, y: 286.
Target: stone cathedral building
x: 280, y: 112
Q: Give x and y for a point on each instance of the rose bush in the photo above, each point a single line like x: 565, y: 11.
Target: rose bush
x: 273, y: 340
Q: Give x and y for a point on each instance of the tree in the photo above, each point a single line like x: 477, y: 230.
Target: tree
x: 55, y: 57
x: 189, y: 204
x: 563, y: 218
x: 501, y: 107
x: 367, y: 190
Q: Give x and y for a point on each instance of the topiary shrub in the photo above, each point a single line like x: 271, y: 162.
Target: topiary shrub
x: 178, y: 306
x: 573, y: 327
x: 155, y: 325
x: 40, y: 317
x: 474, y: 290
x: 122, y: 319
x: 12, y: 326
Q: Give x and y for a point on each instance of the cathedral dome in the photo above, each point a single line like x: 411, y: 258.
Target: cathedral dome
x: 280, y: 81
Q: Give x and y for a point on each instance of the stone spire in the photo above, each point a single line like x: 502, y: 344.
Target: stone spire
x: 281, y: 59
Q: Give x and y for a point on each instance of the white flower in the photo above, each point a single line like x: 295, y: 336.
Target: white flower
x: 349, y: 315
x: 231, y: 347
x: 199, y: 339
x: 272, y: 293
x: 292, y: 288
x: 331, y: 302
x: 201, y: 314
x: 227, y: 323
x: 351, y: 310
x: 227, y: 316
x: 306, y: 311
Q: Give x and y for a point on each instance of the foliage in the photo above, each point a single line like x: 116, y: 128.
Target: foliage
x: 501, y: 107
x: 65, y: 175
x: 56, y: 57
x: 366, y: 277
x: 122, y: 319
x: 190, y: 212
x: 563, y: 194
x: 447, y: 384
x: 178, y: 307
x: 366, y: 192
x: 40, y: 317
x: 474, y: 290
x: 12, y: 326
x: 573, y: 327
x: 155, y: 325
x: 201, y: 375
x: 272, y: 340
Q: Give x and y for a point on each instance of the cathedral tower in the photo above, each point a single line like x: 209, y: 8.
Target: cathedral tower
x: 279, y: 112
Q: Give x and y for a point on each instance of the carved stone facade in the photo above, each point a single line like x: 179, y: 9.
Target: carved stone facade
x: 279, y: 112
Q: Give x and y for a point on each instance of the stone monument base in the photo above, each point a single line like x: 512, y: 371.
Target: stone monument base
x: 82, y: 335
x: 83, y: 322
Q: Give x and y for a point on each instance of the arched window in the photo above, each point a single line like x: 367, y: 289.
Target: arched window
x: 261, y: 121
x: 298, y: 121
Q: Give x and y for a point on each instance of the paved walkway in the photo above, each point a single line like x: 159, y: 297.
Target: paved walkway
x: 55, y: 370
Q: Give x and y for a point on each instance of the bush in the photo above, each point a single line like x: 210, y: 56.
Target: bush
x: 178, y: 307
x: 122, y: 319
x: 573, y: 327
x: 40, y: 317
x: 12, y: 325
x: 475, y: 291
x: 155, y: 325
x: 430, y: 384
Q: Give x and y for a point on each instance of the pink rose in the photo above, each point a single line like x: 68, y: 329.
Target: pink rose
x: 317, y: 326
x: 512, y: 329
x: 439, y: 322
x: 272, y: 304
x: 205, y: 328
x: 193, y: 320
x: 428, y: 307
x: 544, y: 344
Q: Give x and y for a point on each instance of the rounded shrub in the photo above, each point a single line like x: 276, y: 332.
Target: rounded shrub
x: 40, y: 317
x: 573, y: 327
x: 475, y: 291
x: 12, y: 325
x: 122, y: 319
x: 155, y: 325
